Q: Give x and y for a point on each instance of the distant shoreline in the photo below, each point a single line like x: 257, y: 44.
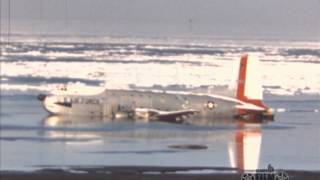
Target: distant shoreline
x: 199, y: 37
x: 141, y: 172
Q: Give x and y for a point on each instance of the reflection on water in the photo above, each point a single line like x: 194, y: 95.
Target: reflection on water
x: 60, y: 121
x: 244, y: 151
x: 243, y: 139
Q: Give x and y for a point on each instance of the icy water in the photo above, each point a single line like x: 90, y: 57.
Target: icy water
x: 29, y: 139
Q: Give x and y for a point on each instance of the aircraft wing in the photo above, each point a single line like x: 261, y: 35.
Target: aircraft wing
x: 170, y: 116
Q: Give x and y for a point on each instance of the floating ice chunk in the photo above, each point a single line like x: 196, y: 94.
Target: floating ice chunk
x: 4, y: 79
x: 281, y: 110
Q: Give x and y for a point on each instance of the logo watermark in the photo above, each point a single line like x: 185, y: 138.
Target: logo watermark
x: 265, y: 174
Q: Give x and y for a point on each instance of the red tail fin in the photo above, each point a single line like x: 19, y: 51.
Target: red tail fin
x: 249, y: 88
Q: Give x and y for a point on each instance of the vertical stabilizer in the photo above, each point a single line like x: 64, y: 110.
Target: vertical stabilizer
x: 249, y: 81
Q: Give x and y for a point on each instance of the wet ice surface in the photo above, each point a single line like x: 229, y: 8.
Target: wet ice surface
x: 30, y: 139
x: 33, y: 63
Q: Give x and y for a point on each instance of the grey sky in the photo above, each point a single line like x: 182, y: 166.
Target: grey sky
x: 236, y: 18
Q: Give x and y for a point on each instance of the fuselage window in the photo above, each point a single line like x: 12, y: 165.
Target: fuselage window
x: 91, y: 101
x: 64, y: 101
x: 88, y: 101
x: 162, y: 99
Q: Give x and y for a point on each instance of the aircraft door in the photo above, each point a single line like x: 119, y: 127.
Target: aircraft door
x: 110, y: 107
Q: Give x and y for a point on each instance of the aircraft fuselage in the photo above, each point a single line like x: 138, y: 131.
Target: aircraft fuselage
x: 112, y: 102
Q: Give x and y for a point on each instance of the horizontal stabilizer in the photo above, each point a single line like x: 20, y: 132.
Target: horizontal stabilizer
x: 251, y: 107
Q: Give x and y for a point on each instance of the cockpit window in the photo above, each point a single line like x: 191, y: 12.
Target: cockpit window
x: 67, y: 99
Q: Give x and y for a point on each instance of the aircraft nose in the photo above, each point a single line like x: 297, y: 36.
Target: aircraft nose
x: 41, y: 97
